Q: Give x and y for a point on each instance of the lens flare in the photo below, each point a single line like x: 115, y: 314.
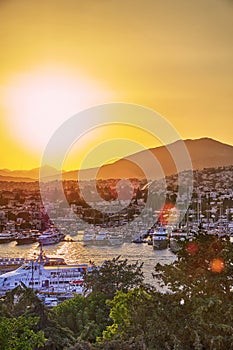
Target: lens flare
x: 217, y: 265
x: 168, y: 215
x: 192, y: 248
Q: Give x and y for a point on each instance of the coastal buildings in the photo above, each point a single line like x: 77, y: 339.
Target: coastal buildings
x: 212, y: 202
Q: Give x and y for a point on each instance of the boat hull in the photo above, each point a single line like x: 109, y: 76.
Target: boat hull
x: 29, y: 240
x: 160, y: 244
x: 174, y: 245
x: 6, y: 240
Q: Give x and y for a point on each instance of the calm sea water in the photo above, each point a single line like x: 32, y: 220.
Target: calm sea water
x: 76, y: 252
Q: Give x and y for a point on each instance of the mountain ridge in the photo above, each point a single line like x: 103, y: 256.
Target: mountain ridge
x: 204, y: 153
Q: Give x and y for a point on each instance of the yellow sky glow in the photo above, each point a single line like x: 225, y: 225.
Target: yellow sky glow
x: 107, y: 143
x: 59, y: 57
x: 42, y: 99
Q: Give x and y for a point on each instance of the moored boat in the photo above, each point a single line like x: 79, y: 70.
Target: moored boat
x: 139, y: 240
x: 160, y: 238
x: 7, y: 236
x: 43, y: 276
x: 101, y: 238
x: 88, y: 237
x: 177, y: 236
x: 27, y: 237
x: 115, y: 238
x: 51, y: 236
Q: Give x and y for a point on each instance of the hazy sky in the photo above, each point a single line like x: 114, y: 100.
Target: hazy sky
x: 61, y: 56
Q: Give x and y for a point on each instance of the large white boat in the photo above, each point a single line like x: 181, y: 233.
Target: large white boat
x: 45, y: 275
x: 178, y: 235
x: 160, y: 238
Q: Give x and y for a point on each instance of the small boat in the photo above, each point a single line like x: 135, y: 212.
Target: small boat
x: 115, y: 239
x: 7, y: 236
x: 88, y: 237
x: 160, y: 238
x: 101, y: 238
x: 27, y: 237
x: 139, y: 240
x: 51, y: 301
x: 177, y: 236
x: 51, y: 236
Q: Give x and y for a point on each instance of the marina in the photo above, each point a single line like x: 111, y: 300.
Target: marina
x: 76, y: 252
x: 62, y: 271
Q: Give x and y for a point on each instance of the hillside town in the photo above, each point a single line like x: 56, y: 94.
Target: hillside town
x: 21, y: 207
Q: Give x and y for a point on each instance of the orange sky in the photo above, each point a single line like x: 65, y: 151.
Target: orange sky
x: 61, y: 56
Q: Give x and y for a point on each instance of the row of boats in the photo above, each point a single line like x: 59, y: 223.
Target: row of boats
x: 164, y: 237
x: 159, y: 236
x: 49, y: 236
x: 97, y: 236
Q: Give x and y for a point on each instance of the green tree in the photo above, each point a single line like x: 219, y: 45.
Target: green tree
x: 196, y: 314
x: 130, y: 313
x: 113, y: 275
x: 18, y: 333
x: 204, y: 268
x: 23, y: 302
x: 85, y: 317
x: 153, y: 321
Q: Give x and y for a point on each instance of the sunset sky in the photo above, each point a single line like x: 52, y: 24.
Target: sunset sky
x: 59, y: 57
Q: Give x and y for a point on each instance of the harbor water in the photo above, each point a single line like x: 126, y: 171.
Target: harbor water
x: 74, y: 251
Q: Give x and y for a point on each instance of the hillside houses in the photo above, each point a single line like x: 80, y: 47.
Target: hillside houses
x: 212, y: 199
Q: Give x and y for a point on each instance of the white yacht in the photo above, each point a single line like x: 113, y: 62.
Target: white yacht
x: 177, y: 235
x: 51, y: 236
x: 88, y: 237
x: 160, y: 238
x: 44, y: 275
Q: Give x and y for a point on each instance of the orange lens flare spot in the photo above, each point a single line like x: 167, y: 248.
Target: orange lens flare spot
x: 192, y: 248
x: 217, y: 265
x: 168, y: 214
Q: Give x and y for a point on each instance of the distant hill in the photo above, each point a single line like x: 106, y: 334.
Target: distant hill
x: 25, y: 175
x: 204, y: 153
x: 16, y: 179
x: 32, y: 174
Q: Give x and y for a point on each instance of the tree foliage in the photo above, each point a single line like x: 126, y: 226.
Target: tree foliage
x: 196, y: 314
x: 23, y: 302
x: 154, y: 321
x: 17, y: 333
x: 122, y: 313
x: 114, y: 275
x: 204, y: 268
x: 86, y: 317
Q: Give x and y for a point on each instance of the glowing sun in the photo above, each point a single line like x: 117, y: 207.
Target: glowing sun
x: 38, y: 102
